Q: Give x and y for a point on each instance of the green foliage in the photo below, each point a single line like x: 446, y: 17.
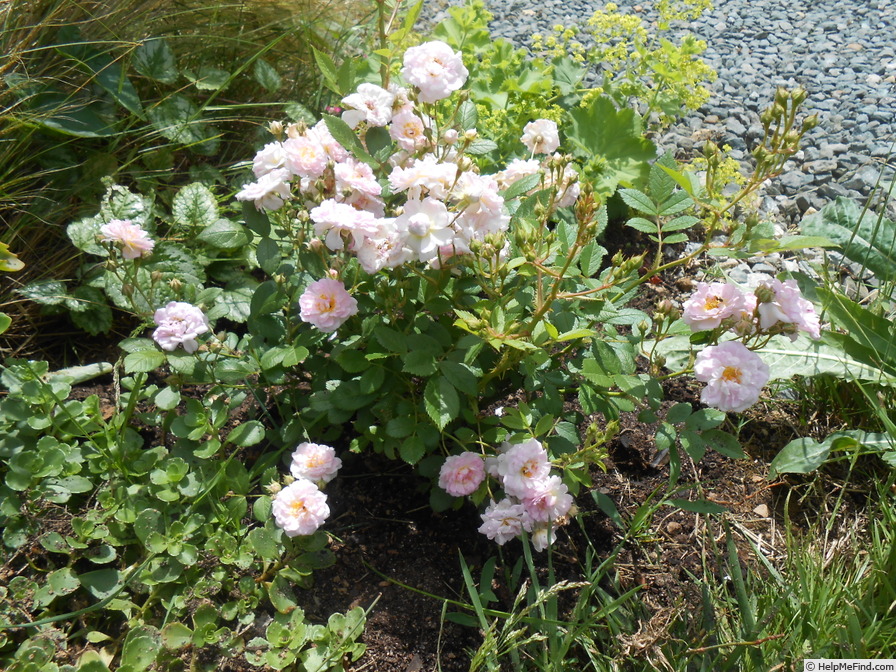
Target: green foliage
x: 863, y: 238
x: 641, y: 69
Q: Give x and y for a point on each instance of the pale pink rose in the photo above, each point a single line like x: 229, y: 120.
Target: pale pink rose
x: 745, y: 319
x: 306, y: 156
x: 461, y: 474
x: 361, y: 201
x: 407, y: 130
x: 320, y: 134
x: 425, y: 227
x: 270, y: 157
x: 179, y: 323
x: 712, y: 303
x: 333, y: 219
x: 734, y: 376
x: 132, y: 239
x: 547, y: 500
x: 327, y: 305
x: 503, y: 521
x: 427, y: 175
x: 384, y: 250
x: 787, y: 306
x: 477, y: 192
x: 434, y: 69
x: 300, y: 508
x: 540, y: 538
x: 269, y: 192
x: 314, y: 462
x: 569, y: 188
x: 517, y: 170
x: 541, y: 136
x: 522, y: 466
x: 370, y: 103
x: 355, y: 176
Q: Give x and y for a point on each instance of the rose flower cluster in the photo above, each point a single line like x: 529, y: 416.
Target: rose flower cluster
x: 439, y: 209
x: 300, y: 507
x: 535, y: 501
x: 735, y: 375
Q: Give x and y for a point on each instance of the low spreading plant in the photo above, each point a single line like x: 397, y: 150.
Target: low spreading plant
x: 422, y: 273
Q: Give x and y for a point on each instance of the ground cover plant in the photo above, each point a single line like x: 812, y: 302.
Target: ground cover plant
x: 448, y: 266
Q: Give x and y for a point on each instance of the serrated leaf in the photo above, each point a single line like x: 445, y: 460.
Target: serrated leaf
x: 345, y: 136
x: 679, y: 201
x: 209, y: 78
x: 467, y: 116
x: 643, y: 225
x: 327, y: 69
x: 154, y: 59
x: 45, y: 292
x: 481, y: 146
x: 522, y: 186
x: 412, y: 449
x: 441, y: 401
x: 590, y: 259
x: 224, y: 235
x: 178, y: 119
x: 143, y: 361
x: 93, y: 314
x: 266, y: 75
x: 195, y: 206
x: 639, y: 201
x: 680, y: 223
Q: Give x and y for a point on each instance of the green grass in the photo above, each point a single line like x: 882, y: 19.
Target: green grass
x: 78, y: 107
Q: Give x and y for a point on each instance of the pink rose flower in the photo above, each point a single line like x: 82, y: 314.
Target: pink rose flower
x: 434, y: 69
x: 541, y: 136
x: 332, y: 219
x: 548, y: 500
x: 300, y: 508
x: 314, y: 462
x: 425, y: 226
x: 326, y: 304
x: 133, y: 240
x: 179, y: 323
x: 306, y: 156
x: 712, y: 303
x: 370, y: 103
x: 522, y: 466
x: 787, y: 306
x: 503, y: 521
x: 269, y: 192
x: 461, y: 474
x: 734, y: 376
x: 408, y: 131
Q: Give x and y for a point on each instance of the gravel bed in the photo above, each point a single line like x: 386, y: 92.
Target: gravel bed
x: 842, y: 51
